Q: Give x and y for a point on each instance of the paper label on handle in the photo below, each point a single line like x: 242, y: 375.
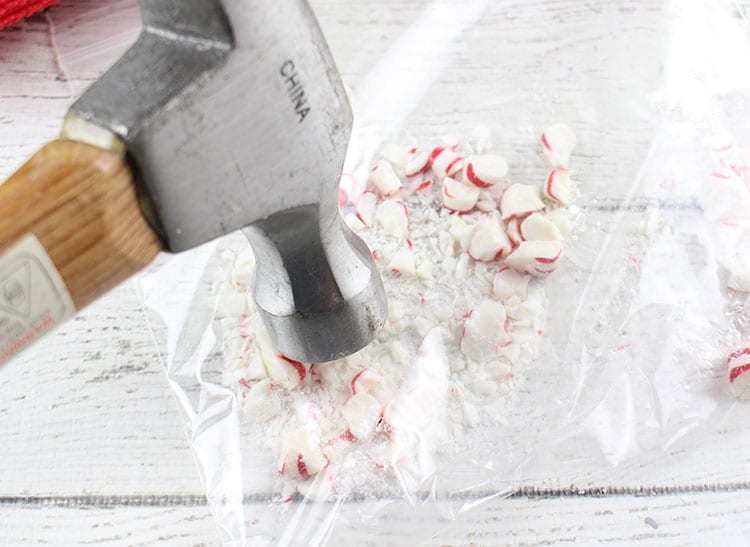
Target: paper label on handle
x: 33, y: 296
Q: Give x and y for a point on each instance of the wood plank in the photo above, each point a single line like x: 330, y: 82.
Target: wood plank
x: 25, y: 525
x: 90, y: 410
x: 683, y: 519
x: 672, y: 520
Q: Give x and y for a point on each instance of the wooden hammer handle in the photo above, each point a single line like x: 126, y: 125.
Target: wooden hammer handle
x: 80, y: 203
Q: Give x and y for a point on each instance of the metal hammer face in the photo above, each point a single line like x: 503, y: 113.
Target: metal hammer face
x: 234, y: 115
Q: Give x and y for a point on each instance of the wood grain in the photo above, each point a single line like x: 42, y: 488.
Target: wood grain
x: 687, y: 519
x: 81, y: 204
x: 89, y: 412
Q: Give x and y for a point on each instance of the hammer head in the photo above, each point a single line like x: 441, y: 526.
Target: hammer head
x: 234, y: 113
x: 231, y: 112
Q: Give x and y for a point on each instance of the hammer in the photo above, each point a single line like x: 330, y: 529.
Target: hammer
x: 223, y: 115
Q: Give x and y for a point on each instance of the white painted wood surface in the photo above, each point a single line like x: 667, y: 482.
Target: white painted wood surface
x: 664, y: 520
x: 94, y: 448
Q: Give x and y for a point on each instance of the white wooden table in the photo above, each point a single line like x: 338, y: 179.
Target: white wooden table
x: 93, y: 448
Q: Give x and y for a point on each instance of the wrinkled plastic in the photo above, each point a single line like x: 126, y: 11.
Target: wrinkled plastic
x: 632, y: 364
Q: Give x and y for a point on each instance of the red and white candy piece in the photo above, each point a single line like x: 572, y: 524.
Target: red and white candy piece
x: 738, y: 363
x: 488, y: 240
x: 520, y: 200
x: 393, y: 216
x: 536, y: 227
x: 485, y: 170
x: 301, y: 457
x: 357, y: 384
x: 746, y: 307
x: 445, y: 162
x: 285, y: 371
x: 558, y: 141
x: 365, y: 206
x: 461, y: 228
x: 362, y: 412
x: 385, y: 178
x: 372, y: 382
x: 403, y: 262
x: 508, y: 284
x: 422, y: 186
x: 419, y: 162
x: 535, y: 257
x: 395, y: 154
x: 558, y: 187
x: 319, y: 487
x: 484, y: 331
x: 513, y: 229
x: 459, y: 197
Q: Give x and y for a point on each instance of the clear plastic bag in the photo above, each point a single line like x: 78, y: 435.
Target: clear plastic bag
x: 639, y: 320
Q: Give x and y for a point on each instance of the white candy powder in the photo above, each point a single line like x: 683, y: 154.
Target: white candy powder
x: 459, y: 334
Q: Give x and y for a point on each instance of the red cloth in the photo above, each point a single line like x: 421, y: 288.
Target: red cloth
x: 15, y: 10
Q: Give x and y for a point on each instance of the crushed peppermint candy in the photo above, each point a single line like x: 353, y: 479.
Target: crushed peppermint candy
x: 725, y: 200
x: 463, y: 250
